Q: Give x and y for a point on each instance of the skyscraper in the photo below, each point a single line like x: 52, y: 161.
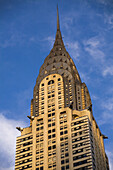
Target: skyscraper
x: 63, y: 133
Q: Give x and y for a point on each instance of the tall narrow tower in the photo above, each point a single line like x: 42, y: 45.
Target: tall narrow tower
x: 63, y: 133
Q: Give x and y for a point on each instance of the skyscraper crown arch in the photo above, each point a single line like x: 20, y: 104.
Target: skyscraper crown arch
x: 60, y: 62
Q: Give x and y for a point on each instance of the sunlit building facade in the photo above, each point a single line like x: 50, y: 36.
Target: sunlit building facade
x: 63, y: 133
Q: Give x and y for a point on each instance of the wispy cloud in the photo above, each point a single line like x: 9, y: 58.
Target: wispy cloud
x: 108, y: 71
x: 110, y: 156
x: 74, y: 49
x: 109, y: 21
x: 13, y: 39
x: 94, y: 97
x: 8, y: 135
x: 108, y: 104
x: 67, y: 21
x: 103, y: 2
x: 85, y: 77
x: 49, y: 41
x: 106, y: 116
x: 93, y: 47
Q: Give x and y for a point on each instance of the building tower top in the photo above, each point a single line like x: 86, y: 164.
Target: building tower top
x: 58, y: 24
x: 58, y: 39
x: 59, y: 62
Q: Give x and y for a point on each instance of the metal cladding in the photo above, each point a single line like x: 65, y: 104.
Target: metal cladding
x: 60, y: 62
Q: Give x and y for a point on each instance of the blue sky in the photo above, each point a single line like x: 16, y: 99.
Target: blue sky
x: 27, y: 33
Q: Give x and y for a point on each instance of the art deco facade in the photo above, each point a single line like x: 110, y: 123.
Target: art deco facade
x: 63, y: 133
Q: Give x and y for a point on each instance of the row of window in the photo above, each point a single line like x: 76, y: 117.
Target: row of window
x: 24, y: 139
x: 39, y: 128
x: 63, y: 121
x: 39, y: 134
x: 23, y: 156
x: 51, y: 114
x: 41, y: 151
x: 41, y: 162
x: 51, y: 142
x: 52, y: 136
x: 52, y: 124
x: 65, y: 167
x: 39, y: 146
x: 41, y: 168
x: 24, y: 167
x: 80, y: 144
x: 79, y: 122
x: 39, y: 157
x: 24, y: 150
x: 24, y: 161
x: 39, y: 139
x: 50, y: 82
x: 64, y: 161
x: 53, y: 159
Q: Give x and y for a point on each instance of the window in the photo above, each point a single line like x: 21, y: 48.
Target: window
x: 53, y: 135
x: 67, y: 160
x: 61, y: 133
x: 66, y: 154
x: 49, y: 131
x: 67, y: 166
x: 53, y: 114
x: 51, y: 82
x: 53, y: 124
x: 49, y: 137
x: 65, y: 132
x: 53, y: 130
x: 62, y: 162
x: 59, y: 79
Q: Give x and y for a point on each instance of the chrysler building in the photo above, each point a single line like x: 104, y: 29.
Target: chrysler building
x: 63, y: 133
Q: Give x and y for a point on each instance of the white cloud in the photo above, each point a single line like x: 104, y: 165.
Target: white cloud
x: 94, y: 97
x: 93, y: 47
x: 50, y: 40
x: 109, y: 20
x: 8, y: 135
x: 108, y: 71
x: 106, y: 118
x: 67, y: 21
x: 103, y: 2
x: 94, y: 42
x: 110, y: 157
x: 85, y: 77
x: 107, y: 114
x: 74, y: 49
x: 14, y: 39
x: 108, y: 104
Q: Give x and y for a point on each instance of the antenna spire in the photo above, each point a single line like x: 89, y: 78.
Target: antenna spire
x: 58, y: 24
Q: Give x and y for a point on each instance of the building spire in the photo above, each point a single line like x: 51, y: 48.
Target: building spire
x: 58, y: 24
x: 58, y: 39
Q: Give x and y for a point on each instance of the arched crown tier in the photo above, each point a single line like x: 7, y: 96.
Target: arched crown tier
x: 59, y: 62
